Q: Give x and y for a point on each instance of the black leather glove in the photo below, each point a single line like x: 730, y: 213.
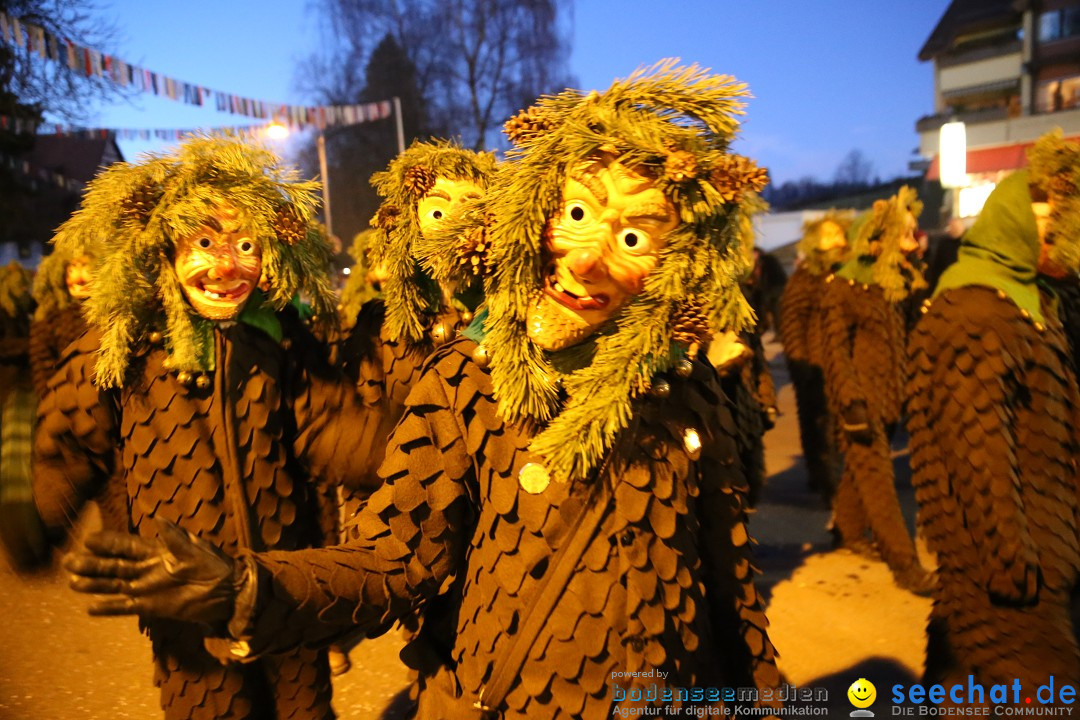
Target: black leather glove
x: 856, y: 423
x: 177, y: 576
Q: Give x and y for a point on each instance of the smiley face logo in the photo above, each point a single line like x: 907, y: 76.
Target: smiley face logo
x: 862, y: 693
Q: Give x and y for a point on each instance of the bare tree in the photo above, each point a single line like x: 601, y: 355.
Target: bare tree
x: 46, y: 86
x: 854, y: 170
x: 476, y: 62
x: 30, y: 87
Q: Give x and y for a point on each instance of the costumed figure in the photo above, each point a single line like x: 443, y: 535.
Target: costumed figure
x: 562, y: 500
x: 409, y: 315
x: 994, y: 416
x: 746, y: 379
x: 364, y: 281
x: 393, y: 334
x: 204, y: 391
x: 864, y: 353
x: 823, y: 249
x: 62, y: 284
x: 20, y: 532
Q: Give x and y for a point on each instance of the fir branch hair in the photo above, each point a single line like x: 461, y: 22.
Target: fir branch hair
x: 811, y: 239
x: 673, y: 123
x: 15, y: 282
x: 1054, y: 169
x: 879, y: 235
x: 409, y: 293
x: 358, y: 289
x: 140, y: 210
x: 50, y: 280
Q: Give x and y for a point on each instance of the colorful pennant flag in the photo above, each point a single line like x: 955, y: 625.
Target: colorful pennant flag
x: 91, y: 63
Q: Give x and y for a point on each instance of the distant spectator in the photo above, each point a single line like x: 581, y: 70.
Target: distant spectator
x: 943, y: 250
x: 763, y: 288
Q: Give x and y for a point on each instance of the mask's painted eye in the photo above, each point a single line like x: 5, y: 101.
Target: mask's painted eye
x: 576, y: 212
x: 203, y: 242
x: 634, y: 241
x: 245, y: 247
x: 437, y: 214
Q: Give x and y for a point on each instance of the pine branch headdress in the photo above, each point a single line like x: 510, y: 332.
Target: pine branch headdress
x: 50, y: 280
x: 878, y: 234
x: 673, y: 123
x: 15, y: 283
x: 1054, y: 167
x: 409, y: 292
x: 811, y: 239
x: 140, y: 210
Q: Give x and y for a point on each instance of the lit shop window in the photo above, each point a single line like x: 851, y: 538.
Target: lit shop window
x: 1059, y: 94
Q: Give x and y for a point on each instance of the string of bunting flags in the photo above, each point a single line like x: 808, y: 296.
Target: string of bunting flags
x: 93, y: 63
x: 21, y: 126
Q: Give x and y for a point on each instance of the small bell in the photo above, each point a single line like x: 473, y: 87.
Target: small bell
x: 692, y: 442
x: 439, y: 333
x: 684, y: 368
x: 466, y: 317
x: 661, y: 388
x: 184, y: 378
x: 202, y: 381
x: 534, y: 478
x: 155, y: 337
x: 480, y: 357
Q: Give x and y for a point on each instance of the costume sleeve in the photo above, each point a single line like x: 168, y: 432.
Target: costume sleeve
x: 841, y: 375
x: 963, y: 389
x: 737, y: 611
x: 796, y: 307
x: 405, y: 545
x: 43, y: 355
x: 359, y: 352
x: 339, y: 438
x: 74, y: 445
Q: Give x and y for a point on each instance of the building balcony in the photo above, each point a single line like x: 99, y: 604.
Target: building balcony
x: 931, y: 123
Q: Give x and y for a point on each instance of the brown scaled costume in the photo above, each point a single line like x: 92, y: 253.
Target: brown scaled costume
x: 452, y: 521
x: 864, y: 339
x: 231, y: 472
x: 802, y: 333
x: 995, y: 430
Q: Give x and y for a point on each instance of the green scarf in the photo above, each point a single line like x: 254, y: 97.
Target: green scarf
x: 859, y: 269
x: 1001, y: 250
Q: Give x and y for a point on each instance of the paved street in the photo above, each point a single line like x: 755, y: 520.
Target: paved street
x: 835, y: 617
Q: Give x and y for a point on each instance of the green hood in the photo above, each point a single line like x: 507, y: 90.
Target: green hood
x: 1001, y: 250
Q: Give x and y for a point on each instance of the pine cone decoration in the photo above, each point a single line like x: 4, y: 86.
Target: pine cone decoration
x: 680, y: 165
x: 141, y: 203
x: 288, y: 226
x: 418, y: 180
x: 734, y: 175
x: 691, y: 327
x: 386, y: 217
x: 472, y: 255
x: 528, y: 123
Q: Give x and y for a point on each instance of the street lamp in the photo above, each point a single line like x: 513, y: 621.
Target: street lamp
x: 277, y: 131
x: 952, y: 156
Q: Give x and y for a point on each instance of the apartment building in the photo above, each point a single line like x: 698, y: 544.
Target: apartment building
x: 1010, y: 71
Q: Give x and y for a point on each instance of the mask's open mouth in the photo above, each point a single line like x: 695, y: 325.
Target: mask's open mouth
x: 554, y: 290
x: 224, y: 291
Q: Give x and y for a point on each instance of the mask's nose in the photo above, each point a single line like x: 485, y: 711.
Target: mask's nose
x: 586, y: 264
